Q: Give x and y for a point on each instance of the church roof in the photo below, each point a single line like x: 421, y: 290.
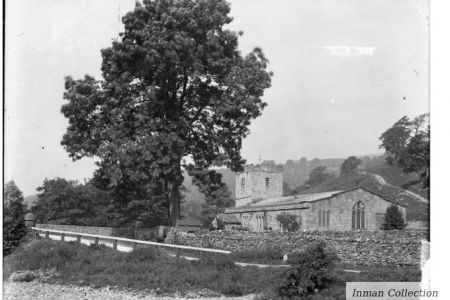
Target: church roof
x: 297, y: 198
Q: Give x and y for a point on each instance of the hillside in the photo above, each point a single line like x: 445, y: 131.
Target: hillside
x: 193, y: 199
x: 30, y: 200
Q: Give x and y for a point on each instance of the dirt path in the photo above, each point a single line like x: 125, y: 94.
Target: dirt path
x: 43, y: 291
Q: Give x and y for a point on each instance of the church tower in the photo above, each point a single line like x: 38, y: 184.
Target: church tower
x: 258, y: 183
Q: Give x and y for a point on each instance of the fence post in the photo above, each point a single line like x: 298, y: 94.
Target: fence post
x: 115, y: 244
x: 62, y: 236
x: 47, y: 235
x: 96, y: 241
x: 79, y: 239
x: 135, y: 245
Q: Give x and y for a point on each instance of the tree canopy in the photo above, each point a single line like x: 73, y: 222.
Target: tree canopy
x: 13, y: 217
x: 174, y: 86
x: 317, y: 176
x: 68, y: 202
x: 407, y: 144
x: 350, y: 165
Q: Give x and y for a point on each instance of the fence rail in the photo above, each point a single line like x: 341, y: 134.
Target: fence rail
x: 115, y: 240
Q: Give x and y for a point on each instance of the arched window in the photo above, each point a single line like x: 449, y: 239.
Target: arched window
x: 359, y: 216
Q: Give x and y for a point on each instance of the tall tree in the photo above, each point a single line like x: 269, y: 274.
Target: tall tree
x: 13, y: 213
x: 407, y: 144
x: 350, y: 165
x: 174, y: 86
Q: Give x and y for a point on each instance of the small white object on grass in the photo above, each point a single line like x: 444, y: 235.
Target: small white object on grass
x: 285, y: 258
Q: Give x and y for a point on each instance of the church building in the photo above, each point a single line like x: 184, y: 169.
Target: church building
x: 259, y: 199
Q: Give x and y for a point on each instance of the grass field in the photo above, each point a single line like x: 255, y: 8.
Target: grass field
x: 147, y: 268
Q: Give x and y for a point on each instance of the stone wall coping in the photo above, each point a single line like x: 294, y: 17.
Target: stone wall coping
x: 271, y: 207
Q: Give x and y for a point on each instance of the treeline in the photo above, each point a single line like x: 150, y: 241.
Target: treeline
x: 69, y: 202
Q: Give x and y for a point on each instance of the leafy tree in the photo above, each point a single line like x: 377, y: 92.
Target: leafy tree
x: 393, y: 219
x: 407, y: 144
x: 288, y: 222
x: 174, y: 86
x: 317, y: 176
x: 62, y: 201
x: 350, y: 165
x: 217, y: 195
x: 13, y: 217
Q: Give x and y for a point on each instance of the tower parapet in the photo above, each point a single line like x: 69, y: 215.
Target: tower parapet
x: 258, y: 182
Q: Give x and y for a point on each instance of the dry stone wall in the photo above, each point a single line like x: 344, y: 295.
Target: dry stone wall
x: 353, y: 247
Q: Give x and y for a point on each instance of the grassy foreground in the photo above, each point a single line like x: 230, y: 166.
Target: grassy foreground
x: 147, y: 268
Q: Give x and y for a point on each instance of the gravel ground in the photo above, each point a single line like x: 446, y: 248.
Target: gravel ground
x: 39, y: 291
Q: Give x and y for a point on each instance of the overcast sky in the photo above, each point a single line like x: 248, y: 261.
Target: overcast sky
x: 345, y: 71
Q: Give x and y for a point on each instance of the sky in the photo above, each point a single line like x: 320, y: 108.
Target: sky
x: 344, y: 72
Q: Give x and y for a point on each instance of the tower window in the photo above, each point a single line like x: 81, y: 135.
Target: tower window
x: 243, y: 183
x: 267, y: 181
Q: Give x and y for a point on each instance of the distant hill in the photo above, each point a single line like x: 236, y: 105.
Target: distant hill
x: 30, y: 200
x: 193, y: 199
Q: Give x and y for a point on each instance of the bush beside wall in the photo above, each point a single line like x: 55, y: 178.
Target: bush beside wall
x: 353, y: 247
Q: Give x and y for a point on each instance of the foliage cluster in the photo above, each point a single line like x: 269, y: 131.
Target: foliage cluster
x: 350, y: 166
x: 13, y: 217
x: 407, y: 144
x: 317, y: 176
x: 393, y: 219
x: 311, y: 270
x: 288, y: 222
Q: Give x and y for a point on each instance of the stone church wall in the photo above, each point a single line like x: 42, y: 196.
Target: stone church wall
x: 339, y: 208
x: 353, y: 247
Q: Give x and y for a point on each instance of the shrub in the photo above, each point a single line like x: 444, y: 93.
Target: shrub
x: 393, y: 219
x: 311, y: 270
x: 263, y: 256
x: 288, y: 222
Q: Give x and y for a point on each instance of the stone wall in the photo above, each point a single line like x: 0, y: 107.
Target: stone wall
x: 353, y: 247
x: 254, y: 185
x: 106, y: 231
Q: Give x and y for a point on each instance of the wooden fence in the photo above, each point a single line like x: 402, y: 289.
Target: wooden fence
x: 117, y: 243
